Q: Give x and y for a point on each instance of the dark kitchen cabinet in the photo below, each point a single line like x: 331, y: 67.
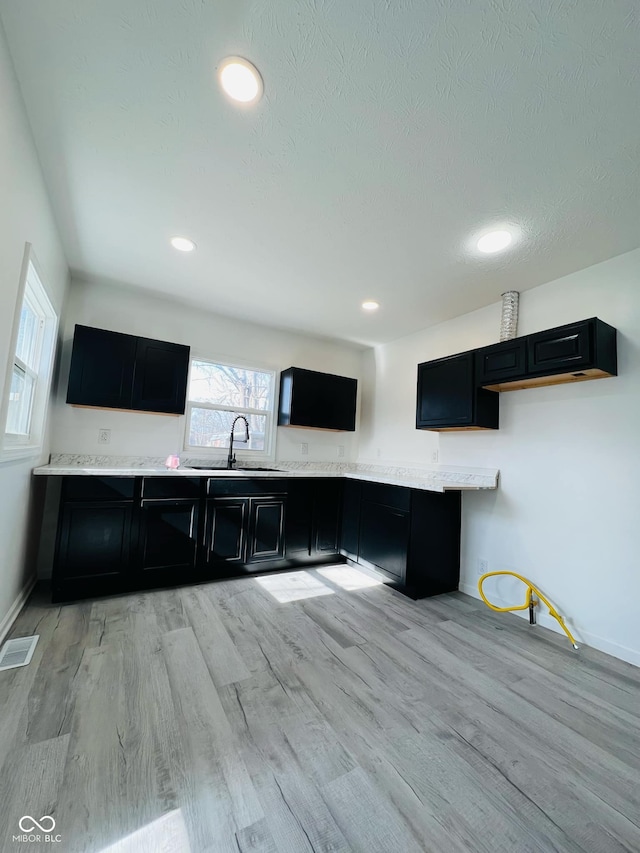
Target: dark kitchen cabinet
x: 309, y: 398
x: 118, y: 371
x: 448, y: 397
x: 169, y: 533
x: 384, y: 538
x: 433, y: 564
x: 501, y: 362
x: 299, y: 519
x: 350, y: 527
x: 582, y: 350
x: 102, y: 366
x: 245, y: 525
x: 571, y: 353
x: 326, y: 516
x: 384, y: 528
x: 94, y: 546
x: 160, y: 379
x: 227, y: 528
x: 266, y: 529
x: 411, y: 536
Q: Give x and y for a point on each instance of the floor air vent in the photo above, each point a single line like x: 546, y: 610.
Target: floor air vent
x: 17, y: 652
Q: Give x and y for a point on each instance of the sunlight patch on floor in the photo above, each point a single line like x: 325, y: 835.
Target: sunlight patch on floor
x: 167, y: 834
x: 293, y: 586
x: 349, y: 578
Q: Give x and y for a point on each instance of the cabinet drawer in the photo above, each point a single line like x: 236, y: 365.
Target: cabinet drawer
x: 245, y: 487
x: 171, y: 487
x: 501, y: 361
x: 393, y: 496
x: 98, y: 488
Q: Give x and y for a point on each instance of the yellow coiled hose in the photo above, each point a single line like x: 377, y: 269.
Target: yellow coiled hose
x: 529, y: 602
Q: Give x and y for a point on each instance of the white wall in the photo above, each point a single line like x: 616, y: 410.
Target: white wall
x: 567, y: 510
x: 136, y: 312
x: 25, y: 216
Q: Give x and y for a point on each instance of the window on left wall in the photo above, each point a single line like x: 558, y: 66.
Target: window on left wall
x: 29, y: 371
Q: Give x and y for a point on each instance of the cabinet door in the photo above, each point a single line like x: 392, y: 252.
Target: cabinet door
x: 326, y: 516
x: 434, y: 550
x: 350, y: 527
x: 93, y: 550
x: 227, y: 528
x: 101, y: 372
x: 309, y: 398
x: 168, y: 536
x: 160, y: 381
x: 568, y: 348
x: 500, y: 362
x: 298, y: 518
x: 448, y: 397
x: 384, y: 538
x: 266, y: 529
x: 445, y: 392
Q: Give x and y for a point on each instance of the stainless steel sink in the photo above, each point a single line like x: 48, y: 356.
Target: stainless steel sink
x: 246, y: 468
x: 221, y: 468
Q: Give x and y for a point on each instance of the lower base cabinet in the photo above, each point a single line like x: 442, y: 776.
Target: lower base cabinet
x: 411, y: 536
x: 119, y: 534
x: 243, y: 532
x: 168, y: 536
x: 384, y: 539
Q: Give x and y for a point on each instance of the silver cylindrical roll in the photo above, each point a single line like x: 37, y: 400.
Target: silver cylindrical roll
x: 509, y: 317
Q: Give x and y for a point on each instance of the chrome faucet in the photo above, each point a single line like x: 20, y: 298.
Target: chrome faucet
x: 231, y: 459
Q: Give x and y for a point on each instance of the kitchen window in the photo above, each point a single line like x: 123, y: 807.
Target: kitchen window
x: 29, y: 375
x: 217, y: 393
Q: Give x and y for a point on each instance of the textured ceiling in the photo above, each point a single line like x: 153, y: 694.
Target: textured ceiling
x: 390, y: 132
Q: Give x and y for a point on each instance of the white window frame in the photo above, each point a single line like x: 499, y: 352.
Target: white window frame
x: 32, y: 290
x: 269, y: 414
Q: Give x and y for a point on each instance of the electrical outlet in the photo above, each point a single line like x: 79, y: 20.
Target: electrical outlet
x: 304, y: 449
x: 434, y: 456
x: 104, y: 436
x: 341, y: 451
x: 483, y: 567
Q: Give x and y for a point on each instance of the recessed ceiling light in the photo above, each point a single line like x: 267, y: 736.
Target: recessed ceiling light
x: 240, y: 80
x: 183, y: 244
x: 494, y: 241
x: 370, y: 305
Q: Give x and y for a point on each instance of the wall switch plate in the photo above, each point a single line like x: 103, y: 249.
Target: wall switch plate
x: 304, y: 449
x: 104, y: 436
x: 434, y: 456
x: 341, y: 451
x: 483, y: 567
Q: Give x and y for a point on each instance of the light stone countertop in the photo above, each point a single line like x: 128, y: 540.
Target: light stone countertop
x: 433, y: 478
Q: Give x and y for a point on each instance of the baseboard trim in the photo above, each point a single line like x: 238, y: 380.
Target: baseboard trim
x: 583, y: 637
x: 16, y: 607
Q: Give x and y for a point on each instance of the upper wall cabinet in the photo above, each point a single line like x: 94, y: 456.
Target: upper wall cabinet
x: 319, y: 400
x: 448, y: 398
x: 458, y: 392
x: 116, y: 371
x: 571, y: 353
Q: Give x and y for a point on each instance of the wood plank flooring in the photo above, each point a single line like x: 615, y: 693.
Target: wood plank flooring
x: 314, y: 711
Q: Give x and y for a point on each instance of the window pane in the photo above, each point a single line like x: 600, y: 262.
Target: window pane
x: 210, y: 428
x: 222, y: 385
x: 20, y: 400
x: 28, y: 333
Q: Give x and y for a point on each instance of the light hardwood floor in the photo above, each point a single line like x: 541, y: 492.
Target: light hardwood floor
x: 305, y: 712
